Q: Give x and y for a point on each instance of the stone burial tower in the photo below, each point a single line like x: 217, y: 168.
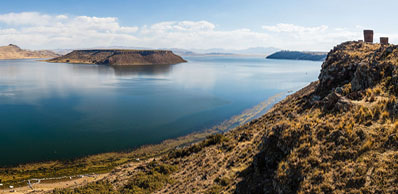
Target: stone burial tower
x: 368, y: 36
x: 384, y: 40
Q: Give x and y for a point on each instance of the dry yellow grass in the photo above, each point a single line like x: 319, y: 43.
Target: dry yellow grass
x: 310, y: 142
x: 14, y: 52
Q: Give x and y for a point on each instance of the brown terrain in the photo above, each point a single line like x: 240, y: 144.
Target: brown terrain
x: 14, y: 52
x: 337, y: 135
x: 120, y: 57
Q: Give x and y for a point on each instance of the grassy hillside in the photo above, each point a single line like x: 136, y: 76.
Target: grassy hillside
x: 340, y: 134
x: 337, y: 135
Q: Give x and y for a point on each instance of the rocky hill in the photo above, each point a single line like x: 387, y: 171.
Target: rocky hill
x: 14, y: 52
x: 298, y: 55
x: 337, y: 135
x: 120, y: 57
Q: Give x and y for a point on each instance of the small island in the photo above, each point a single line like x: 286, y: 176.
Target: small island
x: 120, y: 57
x: 299, y: 55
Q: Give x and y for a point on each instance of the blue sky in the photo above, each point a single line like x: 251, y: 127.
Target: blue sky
x: 286, y: 24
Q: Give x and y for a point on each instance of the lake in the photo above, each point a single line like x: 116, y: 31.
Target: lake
x: 51, y: 111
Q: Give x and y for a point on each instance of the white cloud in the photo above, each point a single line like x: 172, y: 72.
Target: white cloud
x: 294, y: 28
x: 290, y: 36
x: 128, y: 29
x: 35, y: 30
x: 201, y: 34
x: 183, y: 26
x: 25, y: 18
x: 62, y: 17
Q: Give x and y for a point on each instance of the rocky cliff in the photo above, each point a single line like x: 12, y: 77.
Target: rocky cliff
x: 337, y: 135
x: 14, y: 52
x: 120, y: 57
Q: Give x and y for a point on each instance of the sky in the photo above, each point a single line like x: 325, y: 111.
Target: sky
x: 315, y: 25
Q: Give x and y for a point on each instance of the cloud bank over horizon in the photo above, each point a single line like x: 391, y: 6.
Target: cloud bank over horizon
x: 36, y: 30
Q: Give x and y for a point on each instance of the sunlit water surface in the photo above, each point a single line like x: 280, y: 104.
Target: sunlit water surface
x: 60, y: 111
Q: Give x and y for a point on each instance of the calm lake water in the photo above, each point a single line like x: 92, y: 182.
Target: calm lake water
x: 61, y: 111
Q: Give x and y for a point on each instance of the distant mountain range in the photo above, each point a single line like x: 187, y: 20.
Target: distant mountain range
x: 255, y: 51
x: 258, y: 51
x: 269, y: 52
x: 299, y: 55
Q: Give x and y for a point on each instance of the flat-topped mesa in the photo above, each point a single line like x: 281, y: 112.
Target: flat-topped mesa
x: 120, y: 57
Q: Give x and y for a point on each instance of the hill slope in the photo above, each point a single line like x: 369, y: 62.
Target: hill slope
x: 298, y: 55
x: 341, y: 135
x: 337, y: 135
x: 14, y: 52
x: 120, y: 57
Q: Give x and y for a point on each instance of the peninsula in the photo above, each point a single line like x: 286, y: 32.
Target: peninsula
x: 14, y: 52
x: 116, y: 57
x: 299, y: 55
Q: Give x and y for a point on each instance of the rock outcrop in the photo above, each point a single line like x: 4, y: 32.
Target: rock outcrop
x: 342, y: 136
x: 14, y: 52
x: 120, y: 57
x: 360, y: 64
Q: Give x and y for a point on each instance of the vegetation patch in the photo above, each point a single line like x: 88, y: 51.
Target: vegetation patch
x: 102, y: 187
x: 211, y: 140
x: 151, y: 179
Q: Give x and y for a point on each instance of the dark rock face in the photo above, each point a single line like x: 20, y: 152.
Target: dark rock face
x: 334, y: 102
x: 14, y: 46
x: 266, y: 162
x: 120, y: 57
x: 361, y: 64
x: 337, y: 70
x: 278, y: 142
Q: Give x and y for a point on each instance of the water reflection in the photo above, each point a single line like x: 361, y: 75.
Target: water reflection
x: 142, y: 70
x: 69, y: 110
x: 85, y: 69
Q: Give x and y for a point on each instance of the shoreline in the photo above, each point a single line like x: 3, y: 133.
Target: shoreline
x: 101, y: 164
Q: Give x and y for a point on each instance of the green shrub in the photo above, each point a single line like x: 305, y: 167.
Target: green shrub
x: 211, y: 140
x: 154, y: 178
x: 223, y: 181
x: 216, y: 189
x: 102, y: 187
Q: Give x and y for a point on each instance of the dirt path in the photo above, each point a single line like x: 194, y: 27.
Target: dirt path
x: 118, y: 173
x: 45, y: 187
